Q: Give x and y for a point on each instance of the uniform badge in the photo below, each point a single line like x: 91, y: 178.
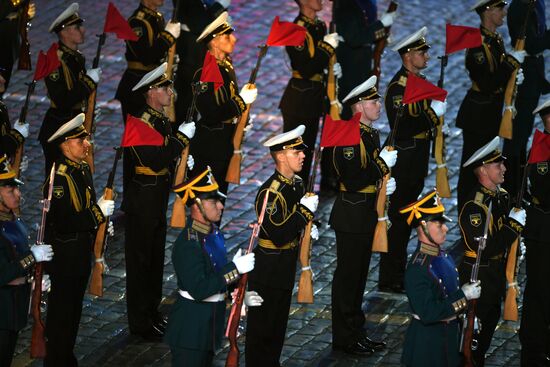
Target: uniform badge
x: 58, y: 192
x: 480, y: 57
x: 542, y: 168
x: 475, y: 219
x: 54, y: 75
x: 271, y: 208
x: 397, y: 101
x: 349, y: 153
x: 138, y: 31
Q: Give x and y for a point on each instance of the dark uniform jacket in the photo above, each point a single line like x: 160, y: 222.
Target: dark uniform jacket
x: 68, y: 90
x: 358, y: 169
x: 305, y: 91
x: 149, y: 183
x: 10, y: 16
x: 10, y: 139
x: 489, y: 68
x: 431, y: 283
x: 413, y: 129
x: 194, y: 324
x: 16, y: 262
x: 538, y: 213
x: 71, y: 223
x: 284, y: 220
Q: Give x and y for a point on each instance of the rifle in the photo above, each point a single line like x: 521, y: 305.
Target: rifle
x: 471, y: 326
x: 380, y: 45
x: 38, y: 342
x: 441, y: 178
x: 90, y: 108
x: 380, y: 239
x: 178, y: 210
x: 170, y: 110
x: 22, y: 119
x: 234, y: 170
x: 234, y: 316
x: 100, y: 244
x: 509, y: 113
x: 24, y: 62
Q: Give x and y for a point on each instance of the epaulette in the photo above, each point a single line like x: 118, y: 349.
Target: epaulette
x: 419, y: 258
x: 478, y: 199
x: 61, y: 169
x: 402, y: 81
x: 146, y: 118
x: 140, y: 15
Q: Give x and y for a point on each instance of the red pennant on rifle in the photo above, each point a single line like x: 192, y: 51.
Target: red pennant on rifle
x: 540, y: 150
x: 211, y: 72
x: 286, y: 34
x: 460, y: 37
x: 418, y: 89
x: 115, y: 23
x: 47, y: 62
x: 340, y: 133
x: 138, y: 133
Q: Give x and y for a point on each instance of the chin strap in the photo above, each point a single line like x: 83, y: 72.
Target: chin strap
x: 426, y: 233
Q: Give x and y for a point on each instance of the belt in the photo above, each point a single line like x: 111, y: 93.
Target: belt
x: 475, y: 88
x: 136, y: 65
x: 313, y: 78
x: 141, y: 170
x: 447, y: 320
x: 422, y: 135
x: 218, y: 297
x: 371, y: 189
x: 270, y: 245
x: 473, y: 255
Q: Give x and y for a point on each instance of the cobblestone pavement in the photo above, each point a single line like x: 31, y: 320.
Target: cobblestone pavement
x: 103, y: 338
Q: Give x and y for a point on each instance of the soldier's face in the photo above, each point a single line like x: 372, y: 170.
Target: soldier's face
x: 315, y: 5
x: 294, y: 159
x: 419, y: 59
x: 495, y: 15
x: 10, y: 196
x: 370, y: 110
x: 76, y: 149
x: 73, y: 34
x: 225, y: 43
x: 495, y: 172
x: 162, y: 95
x: 212, y: 209
x: 438, y: 231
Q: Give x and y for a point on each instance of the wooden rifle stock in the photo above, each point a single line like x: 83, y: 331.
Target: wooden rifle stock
x: 468, y: 333
x: 24, y: 62
x: 380, y: 45
x: 38, y: 342
x: 235, y: 314
x: 233, y: 174
x: 441, y: 175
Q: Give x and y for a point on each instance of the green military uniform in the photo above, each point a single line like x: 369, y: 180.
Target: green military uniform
x: 10, y: 139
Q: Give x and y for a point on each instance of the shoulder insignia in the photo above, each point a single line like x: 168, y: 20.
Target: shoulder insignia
x: 301, y: 23
x: 275, y: 185
x: 146, y: 117
x: 349, y: 153
x: 402, y: 81
x: 479, y: 57
x: 542, y: 168
x: 397, y: 101
x: 475, y: 219
x: 419, y: 258
x: 54, y: 75
x: 479, y: 198
x: 140, y: 15
x: 58, y: 192
x: 138, y: 31
x: 61, y: 168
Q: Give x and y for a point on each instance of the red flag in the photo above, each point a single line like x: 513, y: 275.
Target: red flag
x: 47, y: 62
x: 418, y: 89
x: 138, y: 132
x: 540, y: 150
x: 286, y: 34
x: 211, y: 72
x: 460, y: 37
x: 341, y: 133
x: 115, y: 23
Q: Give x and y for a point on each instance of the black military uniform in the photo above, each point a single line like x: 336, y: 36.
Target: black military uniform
x: 537, y: 39
x: 10, y: 17
x: 303, y: 100
x: 480, y: 113
x: 142, y: 56
x: 10, y: 139
x: 71, y: 227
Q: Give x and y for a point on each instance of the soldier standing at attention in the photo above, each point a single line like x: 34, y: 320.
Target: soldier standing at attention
x: 534, y: 332
x: 71, y: 227
x: 287, y: 213
x: 305, y: 93
x: 435, y: 296
x: 219, y: 108
x: 145, y: 203
x: 488, y: 166
x: 354, y: 218
x: 10, y: 138
x: 489, y: 68
x: 69, y: 85
x: 412, y: 141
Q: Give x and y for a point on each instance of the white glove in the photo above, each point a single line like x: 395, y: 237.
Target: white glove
x: 522, y: 250
x: 188, y: 129
x: 391, y: 185
x: 111, y: 228
x: 190, y: 162
x: 173, y: 28
x: 243, y: 263
x: 248, y: 95
x: 107, y: 206
x: 337, y: 70
x: 387, y: 19
x: 252, y: 299
x: 46, y: 283
x: 388, y: 156
x: 23, y: 129
x: 24, y: 164
x: 310, y: 202
x: 520, y: 77
x: 519, y: 216
x: 518, y: 55
x: 472, y: 290
x: 224, y: 3
x: 439, y: 107
x: 314, y: 232
x: 42, y: 252
x: 332, y: 39
x: 94, y: 74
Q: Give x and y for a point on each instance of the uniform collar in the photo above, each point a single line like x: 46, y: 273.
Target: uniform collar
x: 429, y: 249
x: 201, y: 227
x: 149, y: 11
x: 488, y: 33
x: 72, y: 163
x: 308, y: 20
x: 68, y: 50
x: 285, y: 180
x: 366, y: 128
x: 489, y: 192
x: 7, y: 217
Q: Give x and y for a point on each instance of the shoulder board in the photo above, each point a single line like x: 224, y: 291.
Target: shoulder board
x: 402, y: 81
x: 61, y: 169
x: 503, y: 190
x: 419, y: 258
x: 140, y: 15
x: 478, y: 199
x: 275, y: 185
x: 301, y: 22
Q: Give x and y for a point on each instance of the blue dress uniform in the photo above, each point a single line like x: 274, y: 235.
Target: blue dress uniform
x: 537, y: 40
x: 303, y: 100
x: 10, y: 139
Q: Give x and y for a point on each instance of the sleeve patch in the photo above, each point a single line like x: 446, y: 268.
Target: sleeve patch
x: 475, y: 219
x: 58, y: 192
x: 349, y: 153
